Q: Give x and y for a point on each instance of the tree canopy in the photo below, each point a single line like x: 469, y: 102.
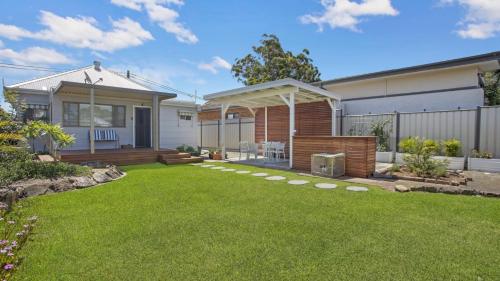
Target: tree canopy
x: 270, y: 62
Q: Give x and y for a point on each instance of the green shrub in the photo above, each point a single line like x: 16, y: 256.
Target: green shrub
x: 418, y: 159
x: 381, y: 130
x: 451, y: 147
x: 481, y: 154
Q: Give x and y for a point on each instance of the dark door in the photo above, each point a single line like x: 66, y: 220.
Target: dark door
x: 142, y: 127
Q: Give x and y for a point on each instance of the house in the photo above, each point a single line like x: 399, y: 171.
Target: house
x: 445, y: 85
x: 126, y: 114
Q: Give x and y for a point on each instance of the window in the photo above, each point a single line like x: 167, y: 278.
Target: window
x: 233, y: 116
x: 36, y: 112
x: 188, y: 116
x: 78, y: 115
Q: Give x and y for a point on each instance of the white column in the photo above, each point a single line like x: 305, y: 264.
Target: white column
x: 156, y: 127
x: 334, y: 118
x: 292, y: 127
x: 92, y: 120
x: 265, y: 123
x: 223, y: 130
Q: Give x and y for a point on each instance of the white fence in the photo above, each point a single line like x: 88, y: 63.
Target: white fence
x: 476, y: 128
x: 237, y: 130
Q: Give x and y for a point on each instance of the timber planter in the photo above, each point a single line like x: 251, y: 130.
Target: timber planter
x: 384, y: 156
x: 484, y: 165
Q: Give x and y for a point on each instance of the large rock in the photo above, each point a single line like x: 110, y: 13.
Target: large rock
x: 401, y: 188
x: 82, y: 182
x: 101, y: 175
x: 32, y: 187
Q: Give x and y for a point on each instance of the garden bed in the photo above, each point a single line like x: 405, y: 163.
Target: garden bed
x: 451, y: 178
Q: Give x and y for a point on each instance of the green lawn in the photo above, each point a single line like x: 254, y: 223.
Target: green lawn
x: 191, y: 223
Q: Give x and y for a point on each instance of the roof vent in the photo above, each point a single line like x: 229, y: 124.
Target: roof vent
x: 97, y: 65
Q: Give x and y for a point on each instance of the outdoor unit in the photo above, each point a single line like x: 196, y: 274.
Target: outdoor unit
x: 328, y: 165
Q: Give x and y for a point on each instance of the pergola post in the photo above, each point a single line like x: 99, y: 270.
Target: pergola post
x: 265, y: 123
x: 292, y: 127
x: 223, y: 111
x: 333, y: 107
x: 92, y: 120
x: 156, y: 143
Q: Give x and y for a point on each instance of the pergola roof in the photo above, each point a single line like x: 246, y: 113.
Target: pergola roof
x: 271, y: 94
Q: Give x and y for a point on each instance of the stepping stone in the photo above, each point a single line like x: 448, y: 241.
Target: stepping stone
x: 356, y: 188
x: 196, y: 164
x: 228, y: 170
x: 218, y: 168
x: 275, y: 178
x: 206, y: 166
x: 326, y: 185
x: 297, y: 182
x: 243, y: 172
x: 260, y: 175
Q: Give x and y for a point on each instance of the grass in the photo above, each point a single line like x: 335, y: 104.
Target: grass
x: 191, y: 223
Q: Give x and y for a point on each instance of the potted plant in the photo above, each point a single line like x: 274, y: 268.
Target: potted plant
x: 451, y: 149
x: 380, y: 130
x: 483, y: 161
x: 215, y: 154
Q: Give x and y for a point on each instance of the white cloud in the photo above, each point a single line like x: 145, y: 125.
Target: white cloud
x: 35, y: 55
x: 1, y: 44
x: 214, y: 66
x: 482, y: 18
x: 82, y: 32
x: 348, y: 13
x: 164, y: 16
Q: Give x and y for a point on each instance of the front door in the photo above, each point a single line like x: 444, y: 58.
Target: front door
x: 142, y: 127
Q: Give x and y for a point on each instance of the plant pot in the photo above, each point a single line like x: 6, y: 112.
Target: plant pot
x: 400, y: 158
x: 384, y: 157
x: 454, y: 163
x: 484, y: 165
x: 217, y: 156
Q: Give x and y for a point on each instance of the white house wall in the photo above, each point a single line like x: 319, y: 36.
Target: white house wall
x: 175, y: 132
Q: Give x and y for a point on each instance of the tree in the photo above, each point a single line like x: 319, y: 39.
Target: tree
x: 492, y: 87
x: 270, y: 62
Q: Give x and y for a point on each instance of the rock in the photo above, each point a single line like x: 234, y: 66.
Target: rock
x: 114, y: 173
x: 63, y: 184
x: 81, y: 182
x: 100, y: 175
x: 32, y: 187
x: 401, y: 188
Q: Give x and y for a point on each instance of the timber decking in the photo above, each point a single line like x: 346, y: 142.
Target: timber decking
x: 359, y: 151
x: 116, y: 156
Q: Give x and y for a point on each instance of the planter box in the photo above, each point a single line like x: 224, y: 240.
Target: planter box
x: 384, y: 157
x: 400, y: 158
x: 485, y: 165
x: 454, y: 163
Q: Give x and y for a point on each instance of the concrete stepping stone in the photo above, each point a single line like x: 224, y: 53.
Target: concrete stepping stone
x: 275, y: 178
x: 260, y: 175
x: 196, y: 164
x: 228, y: 170
x: 243, y: 172
x: 297, y: 182
x: 357, y: 188
x: 206, y: 166
x: 218, y: 168
x: 326, y: 185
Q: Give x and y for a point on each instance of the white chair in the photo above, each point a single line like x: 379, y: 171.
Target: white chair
x: 279, y: 150
x: 253, y: 148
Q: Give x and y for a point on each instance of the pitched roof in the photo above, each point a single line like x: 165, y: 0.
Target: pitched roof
x: 110, y: 79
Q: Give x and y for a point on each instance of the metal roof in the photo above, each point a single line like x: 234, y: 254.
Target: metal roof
x: 110, y: 79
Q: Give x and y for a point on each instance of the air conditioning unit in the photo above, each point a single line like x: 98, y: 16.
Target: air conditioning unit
x: 328, y: 165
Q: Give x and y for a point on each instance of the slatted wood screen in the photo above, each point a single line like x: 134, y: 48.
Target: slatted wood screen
x: 359, y: 151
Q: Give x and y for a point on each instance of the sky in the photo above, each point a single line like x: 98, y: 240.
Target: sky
x: 191, y: 44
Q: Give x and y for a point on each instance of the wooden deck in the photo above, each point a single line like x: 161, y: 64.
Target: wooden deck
x: 116, y: 156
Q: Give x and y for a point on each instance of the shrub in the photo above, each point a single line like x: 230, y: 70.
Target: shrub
x: 452, y: 147
x: 480, y: 154
x: 189, y: 149
x: 380, y: 130
x: 418, y: 159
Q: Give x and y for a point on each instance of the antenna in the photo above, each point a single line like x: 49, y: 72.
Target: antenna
x: 87, y: 78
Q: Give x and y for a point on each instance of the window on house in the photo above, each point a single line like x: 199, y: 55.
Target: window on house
x: 36, y: 112
x: 78, y: 115
x: 233, y: 115
x: 188, y: 116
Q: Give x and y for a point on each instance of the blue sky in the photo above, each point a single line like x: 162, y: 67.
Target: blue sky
x: 189, y: 44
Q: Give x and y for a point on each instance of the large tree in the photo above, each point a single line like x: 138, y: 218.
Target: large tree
x: 270, y: 62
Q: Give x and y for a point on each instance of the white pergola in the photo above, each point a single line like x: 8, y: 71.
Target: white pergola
x: 287, y: 92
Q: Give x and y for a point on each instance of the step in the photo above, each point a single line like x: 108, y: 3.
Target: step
x: 183, y: 160
x: 176, y: 156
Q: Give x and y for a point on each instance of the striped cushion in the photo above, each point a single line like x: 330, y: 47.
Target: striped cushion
x: 105, y: 135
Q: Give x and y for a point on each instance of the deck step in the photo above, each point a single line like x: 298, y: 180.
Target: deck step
x: 192, y: 159
x: 176, y: 156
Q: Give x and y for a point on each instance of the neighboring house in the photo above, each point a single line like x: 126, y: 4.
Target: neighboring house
x: 139, y: 116
x: 445, y: 85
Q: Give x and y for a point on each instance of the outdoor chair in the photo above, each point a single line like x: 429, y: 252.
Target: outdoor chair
x: 106, y: 135
x: 279, y: 149
x: 244, y: 148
